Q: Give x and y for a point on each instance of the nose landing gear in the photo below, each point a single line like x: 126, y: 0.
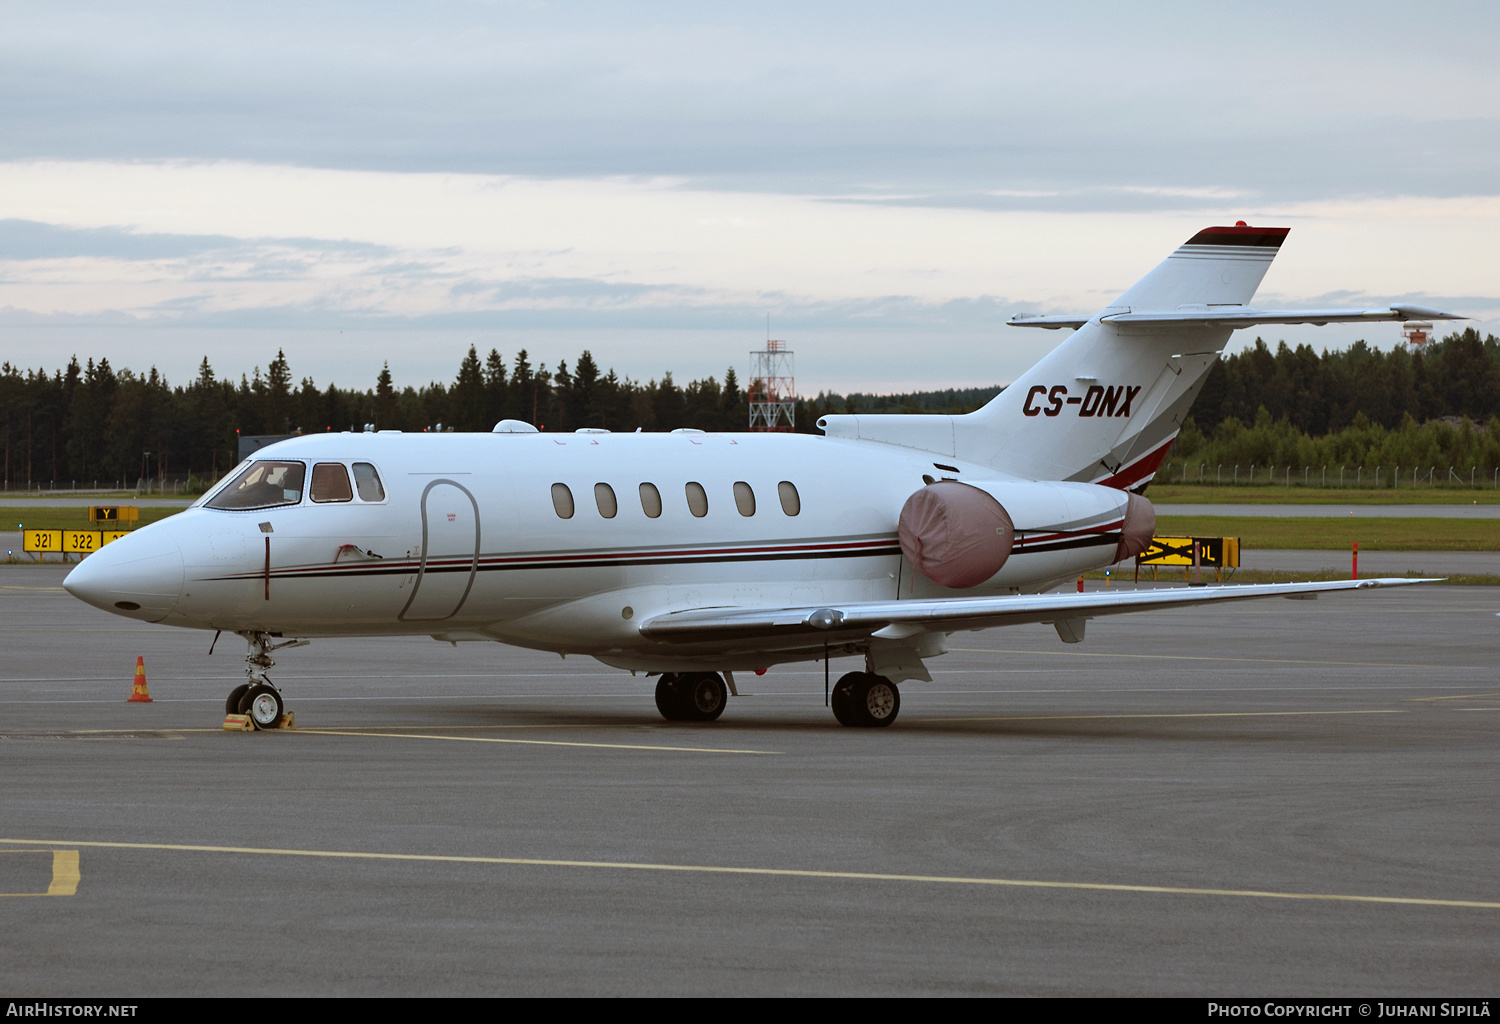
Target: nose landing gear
x: 259, y: 700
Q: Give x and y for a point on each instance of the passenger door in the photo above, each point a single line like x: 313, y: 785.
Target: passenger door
x: 450, y: 553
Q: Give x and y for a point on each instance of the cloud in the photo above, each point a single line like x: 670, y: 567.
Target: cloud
x: 36, y: 240
x: 968, y: 99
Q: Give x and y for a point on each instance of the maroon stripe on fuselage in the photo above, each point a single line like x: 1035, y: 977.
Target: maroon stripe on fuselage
x: 1036, y: 544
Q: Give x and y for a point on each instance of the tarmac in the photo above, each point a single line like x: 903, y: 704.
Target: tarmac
x: 1264, y: 799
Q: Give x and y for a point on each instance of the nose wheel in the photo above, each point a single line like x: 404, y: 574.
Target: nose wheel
x: 263, y: 705
x: 258, y: 699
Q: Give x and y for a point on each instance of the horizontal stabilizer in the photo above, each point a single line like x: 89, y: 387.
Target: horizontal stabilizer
x: 1236, y: 317
x: 943, y: 615
x: 1051, y: 323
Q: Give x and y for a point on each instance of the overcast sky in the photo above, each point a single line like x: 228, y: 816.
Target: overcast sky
x: 359, y: 183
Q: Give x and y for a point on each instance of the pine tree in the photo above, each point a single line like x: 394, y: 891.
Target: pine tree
x: 495, y: 405
x: 385, y: 400
x: 278, y: 395
x: 466, y: 399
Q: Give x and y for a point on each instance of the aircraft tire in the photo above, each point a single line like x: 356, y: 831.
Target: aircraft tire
x: 703, y: 696
x: 841, y: 700
x: 263, y: 705
x: 669, y: 697
x: 865, y: 700
x: 232, y: 705
x: 878, y: 702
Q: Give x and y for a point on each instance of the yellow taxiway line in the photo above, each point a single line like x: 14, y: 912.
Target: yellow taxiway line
x: 167, y: 732
x: 858, y: 876
x: 1168, y: 714
x: 1459, y: 696
x: 64, y: 874
x: 1188, y: 657
x: 531, y: 743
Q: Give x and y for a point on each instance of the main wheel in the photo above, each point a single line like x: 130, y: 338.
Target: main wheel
x: 865, y: 700
x: 232, y: 705
x: 703, y: 696
x: 841, y: 700
x: 880, y: 703
x: 263, y: 704
x: 669, y: 698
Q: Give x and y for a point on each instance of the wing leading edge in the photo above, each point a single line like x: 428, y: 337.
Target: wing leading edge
x: 1240, y: 316
x: 942, y: 615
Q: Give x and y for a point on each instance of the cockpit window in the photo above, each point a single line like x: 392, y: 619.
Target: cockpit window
x: 222, y: 480
x: 367, y: 482
x: 263, y: 485
x: 330, y: 482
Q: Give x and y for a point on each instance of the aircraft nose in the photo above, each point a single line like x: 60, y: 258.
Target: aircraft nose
x: 139, y: 576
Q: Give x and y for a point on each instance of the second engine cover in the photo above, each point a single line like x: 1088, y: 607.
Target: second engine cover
x: 954, y: 534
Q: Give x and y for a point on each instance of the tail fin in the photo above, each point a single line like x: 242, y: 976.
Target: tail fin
x: 1106, y: 404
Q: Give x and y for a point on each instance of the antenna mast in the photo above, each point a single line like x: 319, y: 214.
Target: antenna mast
x: 773, y: 389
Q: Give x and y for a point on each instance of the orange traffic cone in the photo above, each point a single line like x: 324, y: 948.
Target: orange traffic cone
x: 138, y: 692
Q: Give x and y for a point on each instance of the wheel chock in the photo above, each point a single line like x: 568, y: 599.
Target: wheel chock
x: 238, y: 723
x: 287, y: 721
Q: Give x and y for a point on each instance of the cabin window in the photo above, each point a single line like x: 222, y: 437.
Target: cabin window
x: 697, y: 499
x: 791, y: 501
x: 744, y: 498
x: 650, y: 500
x: 562, y: 501
x: 263, y: 485
x: 330, y: 482
x: 367, y: 482
x: 604, y: 497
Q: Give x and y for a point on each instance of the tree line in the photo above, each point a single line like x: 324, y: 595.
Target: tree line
x: 1359, y: 407
x: 90, y: 422
x: 1320, y: 394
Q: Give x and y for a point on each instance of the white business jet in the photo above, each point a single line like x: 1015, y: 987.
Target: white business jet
x: 689, y: 556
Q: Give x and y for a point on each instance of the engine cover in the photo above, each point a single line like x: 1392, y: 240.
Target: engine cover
x: 954, y: 534
x: 1139, y: 528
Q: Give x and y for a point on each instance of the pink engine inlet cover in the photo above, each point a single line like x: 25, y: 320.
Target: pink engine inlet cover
x: 954, y: 534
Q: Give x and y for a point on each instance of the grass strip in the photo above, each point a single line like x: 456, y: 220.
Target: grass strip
x: 1332, y: 534
x: 1277, y: 494
x: 48, y: 517
x: 1173, y: 574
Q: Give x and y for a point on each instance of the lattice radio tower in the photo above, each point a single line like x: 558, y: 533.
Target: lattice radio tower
x: 773, y: 389
x: 1416, y: 333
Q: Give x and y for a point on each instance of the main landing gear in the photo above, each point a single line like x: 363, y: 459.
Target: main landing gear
x: 259, y: 699
x: 860, y: 699
x: 865, y: 699
x: 691, y: 696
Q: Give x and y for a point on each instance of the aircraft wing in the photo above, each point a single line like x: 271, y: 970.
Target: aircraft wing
x: 1241, y: 316
x: 943, y: 615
